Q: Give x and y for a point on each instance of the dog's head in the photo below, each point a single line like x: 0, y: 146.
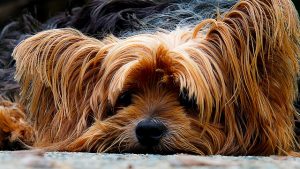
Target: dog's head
x: 150, y: 92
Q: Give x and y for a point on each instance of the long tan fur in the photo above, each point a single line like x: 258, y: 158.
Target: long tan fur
x: 241, y: 69
x: 14, y: 130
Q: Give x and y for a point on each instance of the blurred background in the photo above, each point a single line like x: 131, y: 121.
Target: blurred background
x: 43, y: 9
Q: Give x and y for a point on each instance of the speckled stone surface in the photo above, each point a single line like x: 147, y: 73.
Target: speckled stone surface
x: 55, y: 160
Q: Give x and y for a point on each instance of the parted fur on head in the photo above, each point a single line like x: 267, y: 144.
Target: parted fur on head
x: 224, y: 86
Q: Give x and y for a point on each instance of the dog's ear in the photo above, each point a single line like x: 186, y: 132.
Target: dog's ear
x: 256, y: 45
x: 57, y: 70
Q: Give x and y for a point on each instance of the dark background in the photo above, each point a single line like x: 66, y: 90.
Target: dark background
x: 40, y: 9
x: 297, y: 4
x: 43, y: 9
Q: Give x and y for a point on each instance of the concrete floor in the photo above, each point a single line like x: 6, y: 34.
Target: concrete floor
x: 41, y: 160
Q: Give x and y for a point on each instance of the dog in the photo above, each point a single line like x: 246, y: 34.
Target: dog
x: 224, y: 86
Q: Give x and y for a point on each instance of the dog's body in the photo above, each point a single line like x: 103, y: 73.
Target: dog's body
x: 227, y: 88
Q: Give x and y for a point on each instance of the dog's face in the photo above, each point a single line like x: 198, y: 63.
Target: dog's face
x: 153, y: 116
x: 151, y: 119
x: 149, y: 99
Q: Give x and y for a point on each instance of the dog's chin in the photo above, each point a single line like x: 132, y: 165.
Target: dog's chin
x: 167, y: 146
x: 160, y: 150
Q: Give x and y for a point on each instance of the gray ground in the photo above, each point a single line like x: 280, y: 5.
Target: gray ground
x: 38, y: 159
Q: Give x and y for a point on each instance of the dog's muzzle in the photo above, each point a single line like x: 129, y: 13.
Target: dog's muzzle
x: 149, y: 132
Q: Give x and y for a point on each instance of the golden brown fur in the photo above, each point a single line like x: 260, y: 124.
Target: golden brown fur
x: 13, y: 126
x: 240, y: 69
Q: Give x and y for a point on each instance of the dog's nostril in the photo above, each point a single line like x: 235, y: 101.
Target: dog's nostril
x: 149, y: 132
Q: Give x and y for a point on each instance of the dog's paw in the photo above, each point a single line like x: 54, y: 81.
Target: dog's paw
x: 15, y: 132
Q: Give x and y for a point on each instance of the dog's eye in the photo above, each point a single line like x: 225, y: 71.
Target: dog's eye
x: 109, y: 111
x: 189, y: 103
x: 125, y: 99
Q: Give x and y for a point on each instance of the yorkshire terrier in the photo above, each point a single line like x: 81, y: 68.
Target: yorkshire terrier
x: 225, y: 86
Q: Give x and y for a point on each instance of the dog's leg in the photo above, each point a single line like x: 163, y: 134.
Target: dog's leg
x: 15, y: 132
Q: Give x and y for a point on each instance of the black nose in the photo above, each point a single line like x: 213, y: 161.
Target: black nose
x: 149, y: 132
